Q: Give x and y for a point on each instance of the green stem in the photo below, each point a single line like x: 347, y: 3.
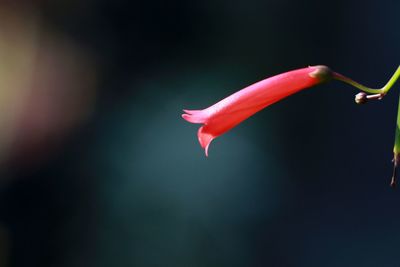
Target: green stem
x: 366, y: 89
x: 396, y: 148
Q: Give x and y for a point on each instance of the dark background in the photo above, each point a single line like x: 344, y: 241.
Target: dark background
x: 303, y: 183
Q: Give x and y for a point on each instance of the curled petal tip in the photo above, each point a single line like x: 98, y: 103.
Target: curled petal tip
x: 194, y: 116
x: 186, y: 117
x: 206, y: 150
x: 204, y: 139
x: 188, y: 111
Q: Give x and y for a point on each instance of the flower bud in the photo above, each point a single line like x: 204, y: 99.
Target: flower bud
x: 361, y: 98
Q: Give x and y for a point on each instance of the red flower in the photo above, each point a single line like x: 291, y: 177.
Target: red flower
x: 229, y: 112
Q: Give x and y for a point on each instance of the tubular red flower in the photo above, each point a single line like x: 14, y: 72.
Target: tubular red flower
x: 229, y: 112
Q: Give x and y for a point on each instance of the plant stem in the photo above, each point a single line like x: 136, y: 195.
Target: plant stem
x: 396, y: 148
x: 366, y: 89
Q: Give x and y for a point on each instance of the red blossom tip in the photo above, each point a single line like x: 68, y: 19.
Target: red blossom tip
x: 204, y: 139
x: 194, y: 116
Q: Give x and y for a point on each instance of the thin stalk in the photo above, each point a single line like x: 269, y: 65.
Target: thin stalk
x: 396, y: 148
x: 366, y: 89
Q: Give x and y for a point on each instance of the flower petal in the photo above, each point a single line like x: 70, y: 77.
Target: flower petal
x: 232, y: 110
x: 195, y: 116
x: 204, y: 139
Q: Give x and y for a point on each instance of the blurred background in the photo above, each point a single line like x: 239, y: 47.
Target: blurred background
x: 97, y: 168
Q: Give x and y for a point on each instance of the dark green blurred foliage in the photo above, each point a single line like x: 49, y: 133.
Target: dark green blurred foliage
x: 303, y: 183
